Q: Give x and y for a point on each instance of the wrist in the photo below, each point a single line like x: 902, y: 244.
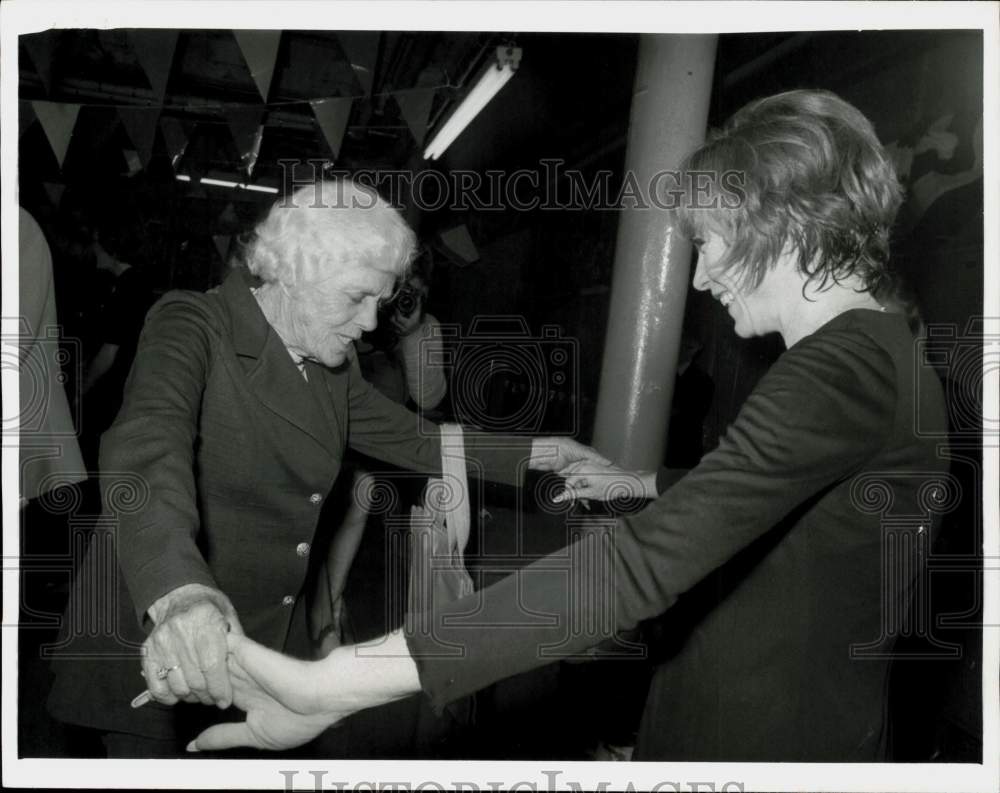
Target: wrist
x: 546, y: 454
x: 647, y: 480
x: 367, y: 675
x: 184, y: 595
x: 535, y: 453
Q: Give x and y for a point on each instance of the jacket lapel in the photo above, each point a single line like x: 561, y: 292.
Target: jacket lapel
x: 331, y: 398
x: 271, y: 373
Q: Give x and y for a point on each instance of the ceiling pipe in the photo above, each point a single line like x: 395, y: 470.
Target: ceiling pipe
x: 73, y: 89
x: 670, y: 99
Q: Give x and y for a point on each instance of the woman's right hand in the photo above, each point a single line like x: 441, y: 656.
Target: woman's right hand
x: 280, y: 696
x: 289, y: 702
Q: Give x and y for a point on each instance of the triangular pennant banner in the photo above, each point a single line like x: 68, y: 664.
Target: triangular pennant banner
x: 249, y: 160
x: 361, y: 49
x: 459, y: 242
x: 228, y: 217
x: 332, y: 116
x: 132, y: 161
x: 98, y: 124
x: 260, y: 51
x: 58, y: 120
x: 175, y: 136
x: 40, y: 47
x: 416, y: 108
x: 222, y: 245
x: 25, y: 116
x: 140, y: 124
x: 55, y: 192
x: 247, y: 130
x: 154, y: 50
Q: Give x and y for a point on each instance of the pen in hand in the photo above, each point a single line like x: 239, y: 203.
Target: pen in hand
x: 142, y: 699
x: 147, y: 695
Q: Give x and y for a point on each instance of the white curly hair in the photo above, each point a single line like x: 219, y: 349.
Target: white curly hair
x: 325, y: 226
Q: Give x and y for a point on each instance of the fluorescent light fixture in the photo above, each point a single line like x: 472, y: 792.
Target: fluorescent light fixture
x: 259, y: 188
x: 495, y: 77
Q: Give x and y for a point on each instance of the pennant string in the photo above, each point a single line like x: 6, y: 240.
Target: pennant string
x: 221, y: 107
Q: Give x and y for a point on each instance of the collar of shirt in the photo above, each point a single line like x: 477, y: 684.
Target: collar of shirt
x: 299, y: 361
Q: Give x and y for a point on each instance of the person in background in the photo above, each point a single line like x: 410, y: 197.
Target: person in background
x: 52, y: 477
x: 49, y: 452
x: 791, y: 664
x: 237, y: 413
x: 402, y: 359
x: 122, y: 313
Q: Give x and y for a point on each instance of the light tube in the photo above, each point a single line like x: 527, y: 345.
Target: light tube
x: 183, y: 177
x: 493, y: 79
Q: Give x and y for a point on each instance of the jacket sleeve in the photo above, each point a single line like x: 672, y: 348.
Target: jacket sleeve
x: 666, y: 478
x: 147, y: 456
x: 389, y: 432
x: 820, y: 413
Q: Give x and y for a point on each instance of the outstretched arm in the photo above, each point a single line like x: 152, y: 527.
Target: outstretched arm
x: 817, y: 417
x: 386, y: 431
x: 289, y: 702
x: 152, y: 442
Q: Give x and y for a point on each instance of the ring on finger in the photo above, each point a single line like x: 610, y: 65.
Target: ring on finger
x: 163, y: 671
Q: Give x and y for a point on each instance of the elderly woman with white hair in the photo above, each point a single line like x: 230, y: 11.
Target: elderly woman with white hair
x: 236, y: 416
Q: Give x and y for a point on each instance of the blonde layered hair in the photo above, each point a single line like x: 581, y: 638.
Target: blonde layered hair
x: 810, y: 173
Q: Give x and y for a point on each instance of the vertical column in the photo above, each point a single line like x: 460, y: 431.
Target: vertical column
x: 673, y: 84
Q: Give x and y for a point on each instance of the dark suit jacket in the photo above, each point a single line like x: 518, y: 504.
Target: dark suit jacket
x: 215, y: 472
x: 814, y: 516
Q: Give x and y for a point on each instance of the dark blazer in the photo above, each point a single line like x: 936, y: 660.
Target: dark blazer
x: 215, y: 472
x: 811, y: 521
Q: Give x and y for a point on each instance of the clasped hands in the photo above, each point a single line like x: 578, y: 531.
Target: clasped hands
x: 587, y: 475
x: 198, y: 653
x: 184, y: 656
x: 193, y: 654
x: 289, y: 702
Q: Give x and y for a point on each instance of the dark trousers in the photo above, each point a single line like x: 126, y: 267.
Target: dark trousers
x: 121, y: 746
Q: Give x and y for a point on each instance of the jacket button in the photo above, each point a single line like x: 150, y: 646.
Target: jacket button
x: 288, y: 600
x: 315, y: 498
x: 302, y: 549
